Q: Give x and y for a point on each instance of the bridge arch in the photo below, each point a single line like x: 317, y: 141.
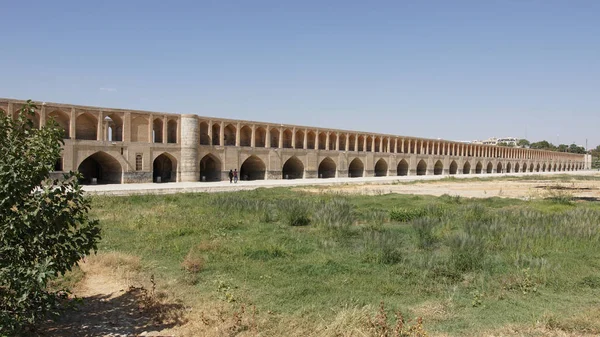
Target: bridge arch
x: 438, y: 168
x: 253, y: 168
x: 467, y: 168
x: 100, y: 166
x: 381, y: 168
x: 210, y: 168
x: 479, y: 168
x: 508, y: 167
x: 421, y: 168
x: 356, y: 168
x: 453, y: 167
x: 489, y: 168
x: 402, y: 168
x: 86, y: 127
x: 165, y: 167
x: 499, y: 168
x: 245, y: 136
x: 293, y: 168
x: 63, y: 121
x: 327, y: 168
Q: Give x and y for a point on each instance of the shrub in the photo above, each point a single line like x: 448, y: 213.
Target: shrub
x: 295, y: 212
x: 406, y: 214
x: 426, y: 239
x: 44, y: 224
x: 335, y: 214
x: 193, y: 262
x: 467, y: 252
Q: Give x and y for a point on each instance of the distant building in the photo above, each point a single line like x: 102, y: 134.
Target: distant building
x: 510, y: 141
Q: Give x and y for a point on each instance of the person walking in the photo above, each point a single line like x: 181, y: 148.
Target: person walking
x: 235, y: 176
x: 230, y: 176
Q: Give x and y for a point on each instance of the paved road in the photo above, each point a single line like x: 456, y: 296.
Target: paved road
x: 222, y: 186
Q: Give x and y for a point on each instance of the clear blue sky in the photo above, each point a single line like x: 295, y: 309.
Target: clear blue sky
x: 459, y: 70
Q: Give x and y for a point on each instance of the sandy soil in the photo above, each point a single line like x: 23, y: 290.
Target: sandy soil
x: 522, y: 189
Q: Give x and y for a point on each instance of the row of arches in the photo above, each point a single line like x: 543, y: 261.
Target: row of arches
x: 110, y: 128
x: 101, y: 167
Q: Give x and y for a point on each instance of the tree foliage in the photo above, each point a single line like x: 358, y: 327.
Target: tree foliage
x: 44, y: 224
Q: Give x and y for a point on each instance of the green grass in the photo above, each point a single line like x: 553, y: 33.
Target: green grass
x: 488, y: 262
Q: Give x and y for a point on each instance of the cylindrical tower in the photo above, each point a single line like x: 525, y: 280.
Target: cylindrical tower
x: 190, y: 138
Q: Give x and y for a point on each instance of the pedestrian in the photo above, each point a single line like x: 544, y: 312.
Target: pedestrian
x: 235, y: 176
x: 230, y: 176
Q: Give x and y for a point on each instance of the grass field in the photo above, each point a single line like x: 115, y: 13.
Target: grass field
x: 324, y: 263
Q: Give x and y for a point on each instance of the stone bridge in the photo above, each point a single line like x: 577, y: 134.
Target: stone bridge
x: 129, y: 146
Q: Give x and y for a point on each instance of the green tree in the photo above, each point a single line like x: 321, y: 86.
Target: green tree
x: 573, y: 148
x: 44, y: 225
x: 543, y: 145
x: 523, y: 143
x: 563, y: 148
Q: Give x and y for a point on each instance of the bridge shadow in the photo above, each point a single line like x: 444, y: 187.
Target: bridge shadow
x: 128, y: 314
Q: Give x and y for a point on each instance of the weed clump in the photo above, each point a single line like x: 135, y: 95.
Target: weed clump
x: 296, y: 212
x: 406, y: 214
x: 334, y: 215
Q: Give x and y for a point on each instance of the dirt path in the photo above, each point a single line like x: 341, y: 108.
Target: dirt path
x: 108, y: 307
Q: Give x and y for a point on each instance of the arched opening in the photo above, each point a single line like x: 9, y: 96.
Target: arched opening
x: 245, y: 136
x: 342, y: 142
x: 327, y: 168
x: 554, y: 167
x: 490, y: 168
x: 453, y: 167
x: 210, y: 168
x: 165, y: 168
x: 293, y: 169
x: 299, y: 140
x: 216, y: 134
x: 332, y: 141
x: 369, y: 144
x: 204, y: 138
x: 172, y: 131
x: 287, y: 139
x: 402, y: 169
x: 352, y: 143
x: 356, y: 168
x: 361, y: 143
x: 421, y: 168
x: 517, y: 168
x: 531, y: 167
x: 100, y: 168
x: 62, y: 119
x: 229, y: 135
x: 438, y: 168
x: 58, y: 165
x: 260, y: 137
x: 139, y: 129
x: 87, y: 127
x: 310, y: 140
x: 524, y: 167
x: 508, y: 167
x: 544, y: 167
x: 114, y: 131
x: 157, y: 130
x: 478, y: 168
x: 381, y: 168
x: 322, y: 141
x: 466, y: 168
x: 499, y: 168
x: 274, y: 134
x: 253, y: 169
x: 377, y: 144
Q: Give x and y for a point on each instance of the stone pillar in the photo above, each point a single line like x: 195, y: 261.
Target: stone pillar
x: 165, y: 130
x: 317, y: 134
x: 327, y: 141
x: 99, y: 133
x: 293, y: 138
x: 73, y: 124
x: 355, y: 142
x: 305, y: 141
x: 43, y: 116
x: 373, y: 144
x: 222, y: 134
x: 210, y: 133
x: 188, y: 167
x: 402, y: 146
x: 127, y: 127
x: 365, y: 144
x: 151, y: 129
x: 268, y: 137
x: 395, y: 145
x: 237, y: 134
x: 253, y: 135
x: 347, y: 142
x: 281, y: 138
x: 337, y: 141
